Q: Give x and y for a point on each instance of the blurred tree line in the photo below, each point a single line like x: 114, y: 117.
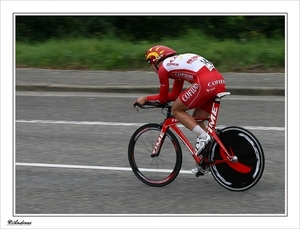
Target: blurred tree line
x: 151, y: 28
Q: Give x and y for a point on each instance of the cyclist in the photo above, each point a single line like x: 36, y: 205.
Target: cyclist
x: 206, y: 82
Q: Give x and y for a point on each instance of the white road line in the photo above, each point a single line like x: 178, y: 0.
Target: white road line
x: 265, y: 128
x: 94, y: 167
x: 80, y: 123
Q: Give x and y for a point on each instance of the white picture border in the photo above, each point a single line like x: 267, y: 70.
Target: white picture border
x: 8, y: 8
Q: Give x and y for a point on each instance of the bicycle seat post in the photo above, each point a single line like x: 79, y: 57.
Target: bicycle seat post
x: 215, y: 111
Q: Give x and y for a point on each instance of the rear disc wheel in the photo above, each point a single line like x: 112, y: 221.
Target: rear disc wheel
x: 247, y: 171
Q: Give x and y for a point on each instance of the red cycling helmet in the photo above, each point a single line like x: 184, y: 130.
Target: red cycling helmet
x: 158, y: 53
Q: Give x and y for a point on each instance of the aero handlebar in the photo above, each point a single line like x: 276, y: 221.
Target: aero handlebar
x: 148, y: 105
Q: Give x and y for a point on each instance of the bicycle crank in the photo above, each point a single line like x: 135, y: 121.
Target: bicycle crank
x: 200, y: 171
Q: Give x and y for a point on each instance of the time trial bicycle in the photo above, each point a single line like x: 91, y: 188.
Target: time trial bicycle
x: 234, y: 157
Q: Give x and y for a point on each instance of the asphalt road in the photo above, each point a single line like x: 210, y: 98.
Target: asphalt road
x: 71, y: 158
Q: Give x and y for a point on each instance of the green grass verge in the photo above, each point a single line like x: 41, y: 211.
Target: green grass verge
x: 115, y: 54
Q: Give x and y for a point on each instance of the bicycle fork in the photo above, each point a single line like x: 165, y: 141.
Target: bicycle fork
x: 160, y: 139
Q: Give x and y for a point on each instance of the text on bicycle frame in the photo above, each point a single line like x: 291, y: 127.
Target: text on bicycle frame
x: 212, y: 120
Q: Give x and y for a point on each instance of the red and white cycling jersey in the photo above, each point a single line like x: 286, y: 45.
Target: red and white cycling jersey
x: 205, y: 79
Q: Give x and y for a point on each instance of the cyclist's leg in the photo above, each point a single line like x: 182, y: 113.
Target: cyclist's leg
x: 200, y: 113
x: 179, y: 110
x: 189, y: 99
x: 212, y: 82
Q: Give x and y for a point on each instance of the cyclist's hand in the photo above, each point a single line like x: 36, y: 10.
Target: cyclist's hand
x: 141, y: 100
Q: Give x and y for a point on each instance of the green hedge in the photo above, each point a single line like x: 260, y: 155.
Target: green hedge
x: 117, y: 54
x: 150, y: 28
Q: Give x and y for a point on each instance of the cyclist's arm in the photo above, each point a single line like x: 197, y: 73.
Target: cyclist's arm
x: 171, y: 96
x: 162, y: 97
x: 177, y: 88
x: 164, y: 94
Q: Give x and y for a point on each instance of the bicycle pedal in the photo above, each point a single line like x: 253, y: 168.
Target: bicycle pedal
x: 199, y: 173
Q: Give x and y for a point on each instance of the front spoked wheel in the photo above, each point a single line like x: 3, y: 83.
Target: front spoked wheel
x: 247, y: 171
x: 158, y: 170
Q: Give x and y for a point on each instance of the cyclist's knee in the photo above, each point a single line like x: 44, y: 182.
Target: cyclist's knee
x: 178, y: 106
x: 175, y: 111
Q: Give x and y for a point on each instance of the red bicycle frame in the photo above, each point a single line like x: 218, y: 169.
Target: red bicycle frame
x: 227, y: 156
